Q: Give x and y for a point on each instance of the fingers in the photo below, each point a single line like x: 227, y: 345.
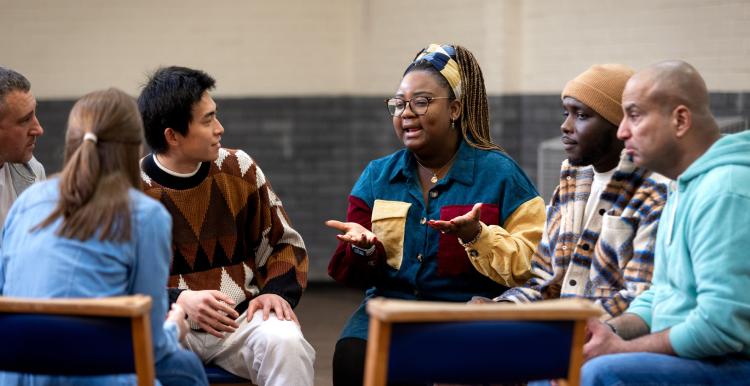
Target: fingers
x: 294, y: 317
x: 337, y: 225
x: 251, y: 308
x: 271, y: 303
x: 280, y: 312
x: 210, y: 309
x: 222, y: 296
x: 207, y: 328
x: 442, y: 226
x: 266, y: 310
x: 283, y: 311
x: 176, y: 313
x: 226, y: 323
x: 595, y: 326
x: 216, y: 324
x: 476, y: 211
x: 595, y: 346
x: 480, y: 300
x: 587, y: 351
x: 366, y: 240
x: 348, y: 238
x: 217, y: 320
x: 362, y: 240
x: 222, y: 308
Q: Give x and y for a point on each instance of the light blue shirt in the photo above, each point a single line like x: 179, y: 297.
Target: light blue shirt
x: 41, y: 264
x: 702, y: 260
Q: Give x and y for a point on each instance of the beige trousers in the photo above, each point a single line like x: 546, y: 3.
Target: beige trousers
x: 269, y: 353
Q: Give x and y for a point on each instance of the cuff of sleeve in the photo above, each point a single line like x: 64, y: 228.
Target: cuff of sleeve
x: 681, y: 340
x: 470, y: 243
x: 362, y: 251
x: 171, y: 333
x: 642, y: 312
x: 174, y: 293
x: 481, y: 245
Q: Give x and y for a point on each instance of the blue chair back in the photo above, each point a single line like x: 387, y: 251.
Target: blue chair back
x: 479, y: 352
x: 77, y: 336
x: 420, y: 342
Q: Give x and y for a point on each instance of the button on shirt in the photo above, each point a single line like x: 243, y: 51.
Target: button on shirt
x: 421, y: 262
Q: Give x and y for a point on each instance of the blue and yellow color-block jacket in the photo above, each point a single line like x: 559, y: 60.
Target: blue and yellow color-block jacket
x: 414, y: 261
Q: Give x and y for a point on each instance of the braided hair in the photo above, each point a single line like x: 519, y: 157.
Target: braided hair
x: 474, y: 122
x: 475, y: 115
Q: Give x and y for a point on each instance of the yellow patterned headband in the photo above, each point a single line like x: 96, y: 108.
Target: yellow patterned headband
x: 442, y: 58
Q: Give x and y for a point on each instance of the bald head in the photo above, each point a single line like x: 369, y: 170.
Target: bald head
x: 672, y: 83
x: 667, y: 123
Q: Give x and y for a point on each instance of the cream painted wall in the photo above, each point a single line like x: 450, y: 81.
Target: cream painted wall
x: 391, y: 32
x: 360, y: 47
x: 280, y: 47
x: 562, y: 38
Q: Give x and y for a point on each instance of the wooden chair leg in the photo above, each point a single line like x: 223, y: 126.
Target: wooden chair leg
x: 144, y: 353
x: 378, y: 341
x: 576, y: 353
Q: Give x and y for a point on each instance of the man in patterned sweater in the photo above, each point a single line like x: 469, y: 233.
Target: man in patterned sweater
x: 238, y: 266
x: 598, y: 242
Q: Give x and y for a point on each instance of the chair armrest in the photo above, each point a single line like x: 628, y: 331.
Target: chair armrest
x: 119, y: 306
x: 394, y: 310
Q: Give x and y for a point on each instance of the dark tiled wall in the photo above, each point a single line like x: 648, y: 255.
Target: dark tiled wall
x: 312, y: 149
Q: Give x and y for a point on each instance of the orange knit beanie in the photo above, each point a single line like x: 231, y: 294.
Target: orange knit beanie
x: 600, y: 88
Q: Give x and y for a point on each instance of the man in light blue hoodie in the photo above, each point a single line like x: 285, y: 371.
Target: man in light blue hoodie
x: 693, y: 324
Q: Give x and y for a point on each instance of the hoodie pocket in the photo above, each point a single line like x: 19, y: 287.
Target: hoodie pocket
x: 389, y: 225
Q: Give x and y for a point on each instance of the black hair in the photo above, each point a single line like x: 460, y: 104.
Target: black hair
x: 11, y: 81
x: 167, y: 100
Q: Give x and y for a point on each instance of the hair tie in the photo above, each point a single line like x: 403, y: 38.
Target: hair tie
x: 90, y: 137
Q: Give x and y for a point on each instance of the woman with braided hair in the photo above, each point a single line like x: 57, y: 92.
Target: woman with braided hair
x: 448, y: 217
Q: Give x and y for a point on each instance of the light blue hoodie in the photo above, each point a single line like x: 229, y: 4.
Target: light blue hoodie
x: 701, y: 283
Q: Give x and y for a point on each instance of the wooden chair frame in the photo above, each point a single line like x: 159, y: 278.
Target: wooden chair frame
x: 135, y: 307
x: 384, y: 313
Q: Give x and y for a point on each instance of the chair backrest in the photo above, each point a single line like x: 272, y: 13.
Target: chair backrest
x: 92, y: 336
x: 438, y: 342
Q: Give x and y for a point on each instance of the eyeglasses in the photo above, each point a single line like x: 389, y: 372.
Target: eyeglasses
x: 419, y: 105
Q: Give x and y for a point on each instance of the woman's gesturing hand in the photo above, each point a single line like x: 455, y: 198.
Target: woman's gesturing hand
x: 466, y: 226
x: 353, y: 233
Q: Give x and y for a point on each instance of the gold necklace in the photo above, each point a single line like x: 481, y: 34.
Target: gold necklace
x: 435, y: 173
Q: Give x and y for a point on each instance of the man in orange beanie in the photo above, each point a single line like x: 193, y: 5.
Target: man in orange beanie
x: 598, y: 241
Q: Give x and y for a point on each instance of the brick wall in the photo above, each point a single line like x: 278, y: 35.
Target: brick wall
x: 313, y: 148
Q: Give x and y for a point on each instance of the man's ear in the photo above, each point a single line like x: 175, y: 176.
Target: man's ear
x: 456, y: 108
x: 682, y: 120
x: 171, y: 136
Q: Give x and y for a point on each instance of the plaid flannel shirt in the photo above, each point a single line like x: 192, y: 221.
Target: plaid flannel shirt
x: 609, y: 260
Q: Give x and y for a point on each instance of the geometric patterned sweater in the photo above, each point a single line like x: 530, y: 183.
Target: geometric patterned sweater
x: 230, y: 231
x: 607, y: 258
